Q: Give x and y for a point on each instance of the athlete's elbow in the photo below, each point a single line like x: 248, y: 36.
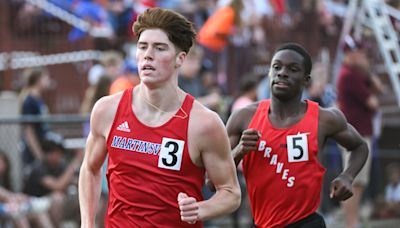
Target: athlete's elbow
x: 365, y: 149
x: 236, y: 198
x: 230, y: 196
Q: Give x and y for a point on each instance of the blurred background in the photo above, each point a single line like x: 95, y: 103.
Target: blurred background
x: 57, y: 57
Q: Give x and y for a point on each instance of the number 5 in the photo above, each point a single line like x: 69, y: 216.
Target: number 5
x: 297, y: 147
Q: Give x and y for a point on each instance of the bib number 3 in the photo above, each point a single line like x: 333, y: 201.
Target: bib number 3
x: 297, y: 147
x: 170, y: 156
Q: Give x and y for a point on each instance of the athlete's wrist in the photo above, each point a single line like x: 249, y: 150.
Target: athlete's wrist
x: 87, y: 224
x: 203, y: 214
x: 346, y: 176
x: 240, y: 151
x: 238, y: 156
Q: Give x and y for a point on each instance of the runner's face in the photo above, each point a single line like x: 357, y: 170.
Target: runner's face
x: 157, y: 57
x: 287, y: 75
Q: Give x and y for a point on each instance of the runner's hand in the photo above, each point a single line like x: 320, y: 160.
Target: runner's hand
x: 188, y: 207
x: 248, y: 140
x: 341, y: 188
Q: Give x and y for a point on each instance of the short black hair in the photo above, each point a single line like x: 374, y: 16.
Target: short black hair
x: 50, y: 146
x: 247, y: 83
x: 302, y: 51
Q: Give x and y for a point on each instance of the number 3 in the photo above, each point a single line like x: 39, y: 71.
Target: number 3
x: 170, y: 156
x: 172, y: 153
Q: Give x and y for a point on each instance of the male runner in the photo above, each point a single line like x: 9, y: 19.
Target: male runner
x: 279, y: 139
x: 159, y: 140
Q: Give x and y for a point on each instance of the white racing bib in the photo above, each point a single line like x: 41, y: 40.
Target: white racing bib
x: 297, y: 147
x: 171, y: 152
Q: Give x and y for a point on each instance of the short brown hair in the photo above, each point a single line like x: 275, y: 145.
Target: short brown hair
x: 33, y: 75
x: 180, y: 31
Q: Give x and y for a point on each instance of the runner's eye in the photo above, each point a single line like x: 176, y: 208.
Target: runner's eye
x: 276, y: 67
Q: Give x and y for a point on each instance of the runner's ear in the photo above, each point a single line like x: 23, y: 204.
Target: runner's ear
x: 307, y: 80
x: 180, y: 57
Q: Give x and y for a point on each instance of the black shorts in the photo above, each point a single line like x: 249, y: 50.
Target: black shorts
x: 312, y: 221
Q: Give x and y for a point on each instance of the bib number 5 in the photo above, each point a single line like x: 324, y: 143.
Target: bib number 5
x: 297, y: 147
x: 171, y: 152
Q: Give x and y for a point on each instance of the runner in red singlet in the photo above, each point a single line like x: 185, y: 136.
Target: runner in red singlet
x: 159, y: 141
x: 279, y: 140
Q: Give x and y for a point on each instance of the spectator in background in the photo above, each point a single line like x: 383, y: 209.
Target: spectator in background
x: 64, y: 4
x: 261, y: 69
x: 95, y: 92
x: 247, y: 92
x: 120, y: 14
x: 52, y: 177
x: 388, y: 206
x: 208, y: 78
x: 189, y: 80
x: 9, y: 200
x: 95, y: 15
x: 110, y: 64
x: 217, y: 29
x: 203, y: 10
x: 392, y: 190
x: 263, y: 89
x: 37, y: 82
x: 128, y: 79
x: 357, y: 99
x: 141, y: 5
x: 320, y: 90
x: 16, y: 206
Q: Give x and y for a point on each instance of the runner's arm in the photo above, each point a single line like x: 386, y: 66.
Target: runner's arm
x: 90, y: 172
x: 242, y: 140
x: 348, y: 137
x: 221, y: 170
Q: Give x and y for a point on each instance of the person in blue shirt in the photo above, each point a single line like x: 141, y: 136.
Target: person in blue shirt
x: 37, y: 81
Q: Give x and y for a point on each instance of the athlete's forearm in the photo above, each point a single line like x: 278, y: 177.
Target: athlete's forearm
x: 237, y: 154
x: 358, y: 157
x: 224, y: 201
x: 89, y: 195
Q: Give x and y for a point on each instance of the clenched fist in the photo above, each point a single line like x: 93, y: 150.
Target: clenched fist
x: 248, y: 140
x: 189, y: 208
x: 341, y: 188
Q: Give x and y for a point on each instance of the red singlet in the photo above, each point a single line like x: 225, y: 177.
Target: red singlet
x: 284, y: 177
x: 148, y: 167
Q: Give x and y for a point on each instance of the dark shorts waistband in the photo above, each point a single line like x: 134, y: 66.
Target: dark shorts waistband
x: 314, y: 220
